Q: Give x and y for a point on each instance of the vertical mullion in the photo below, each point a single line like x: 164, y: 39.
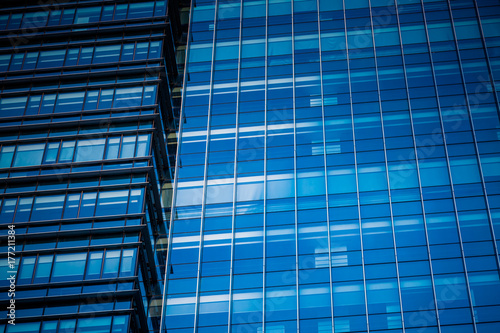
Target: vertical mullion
x: 415, y: 147
x: 325, y: 167
x: 120, y: 259
x: 295, y: 175
x: 37, y: 258
x: 355, y: 165
x: 235, y: 176
x: 476, y: 148
x: 487, y: 56
x: 176, y: 169
x: 66, y: 199
x: 59, y: 149
x: 386, y: 166
x: 459, y: 231
x: 205, y: 175
x: 31, y: 208
x: 80, y: 202
x: 52, y: 264
x: 264, y: 238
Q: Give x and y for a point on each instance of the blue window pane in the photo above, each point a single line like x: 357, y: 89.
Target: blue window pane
x: 212, y: 311
x: 111, y: 263
x: 94, y: 265
x: 372, y: 178
x: 51, y: 153
x: 30, y: 60
x: 108, y: 53
x: 139, y: 10
x: 253, y: 9
x: 311, y: 182
x: 48, y: 59
x: 49, y: 327
x: 87, y: 205
x: 4, y: 62
x: 96, y: 324
x: 55, y: 17
x: 67, y: 151
x: 142, y: 145
x: 26, y: 268
x: 314, y: 301
x: 23, y: 211
x: 6, y: 155
x: 121, y: 12
x: 252, y: 48
x: 3, y: 21
x: 439, y: 32
x: 203, y: 13
x: 33, y: 106
x: 68, y: 102
x: 416, y: 293
x: 23, y: 328
x: 69, y: 267
x: 106, y: 98
x: 155, y: 50
x: 127, y: 97
x: 47, y: 207
x: 17, y: 62
x: 120, y: 324
x: 27, y: 155
x: 87, y: 15
x: 413, y: 34
x: 464, y: 170
x: 43, y: 268
x: 86, y: 56
x: 128, y: 147
x: 348, y: 298
x: 382, y: 296
x: 112, y: 202
x: 141, y: 51
x: 127, y: 266
x: 91, y: 100
x: 112, y: 148
x: 304, y: 6
x: 13, y: 106
x: 284, y: 302
x: 149, y: 97
x: 433, y: 172
x: 136, y: 201
x: 15, y: 21
x: 8, y: 210
x: 89, y: 150
x: 227, y: 11
x: 451, y: 284
x: 67, y: 325
x: 48, y: 103
x: 279, y: 46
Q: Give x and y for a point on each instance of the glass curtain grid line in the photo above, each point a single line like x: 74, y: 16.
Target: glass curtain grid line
x: 324, y: 153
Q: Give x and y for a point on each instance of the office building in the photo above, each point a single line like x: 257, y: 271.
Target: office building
x: 338, y: 168
x: 88, y: 95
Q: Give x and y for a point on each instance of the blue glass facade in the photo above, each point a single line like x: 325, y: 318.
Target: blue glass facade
x: 88, y: 95
x: 338, y: 168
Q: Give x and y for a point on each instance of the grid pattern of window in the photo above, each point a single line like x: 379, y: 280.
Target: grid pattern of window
x: 61, y: 102
x: 77, y: 56
x: 338, y: 168
x: 82, y: 15
x: 86, y: 104
x: 81, y: 150
x: 117, y: 324
x: 72, y: 205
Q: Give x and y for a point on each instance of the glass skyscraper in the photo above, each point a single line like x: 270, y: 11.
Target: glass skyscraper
x: 338, y: 168
x: 88, y: 101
